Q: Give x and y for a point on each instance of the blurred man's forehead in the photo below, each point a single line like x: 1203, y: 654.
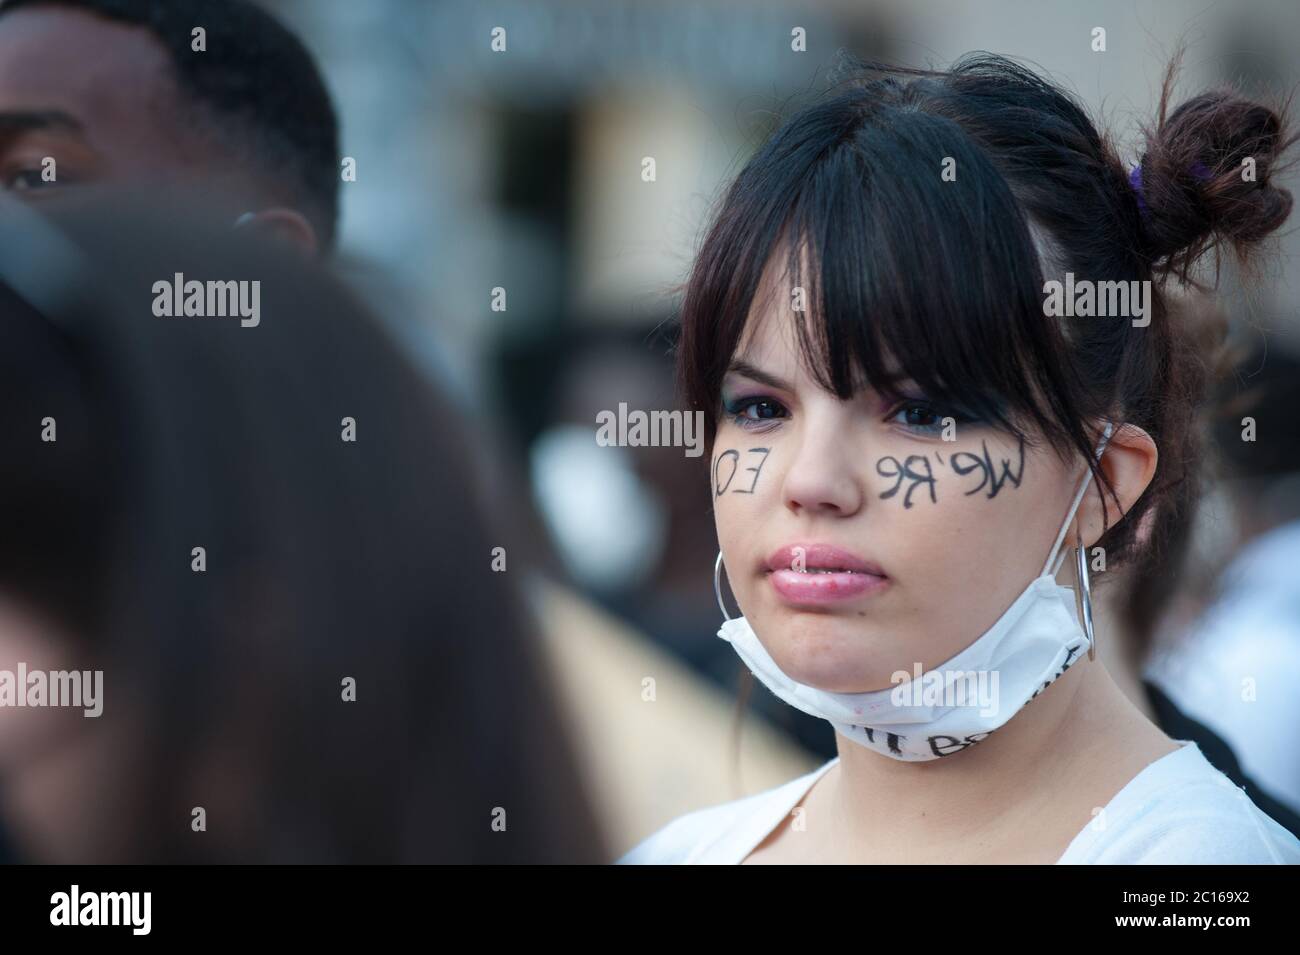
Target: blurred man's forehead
x: 102, y: 74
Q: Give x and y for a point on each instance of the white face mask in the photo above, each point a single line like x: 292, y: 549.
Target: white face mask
x: 961, y: 701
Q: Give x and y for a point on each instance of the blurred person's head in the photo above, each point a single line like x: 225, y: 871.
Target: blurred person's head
x: 343, y: 555
x: 1253, y: 458
x: 865, y: 332
x: 1254, y: 434
x: 116, y: 91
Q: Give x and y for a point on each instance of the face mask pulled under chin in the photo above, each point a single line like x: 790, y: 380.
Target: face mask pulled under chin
x: 958, y: 703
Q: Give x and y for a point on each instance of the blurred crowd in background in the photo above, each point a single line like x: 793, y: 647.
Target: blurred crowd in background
x: 502, y: 273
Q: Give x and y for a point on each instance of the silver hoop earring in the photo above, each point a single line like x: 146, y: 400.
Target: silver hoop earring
x: 717, y: 586
x: 1083, y: 594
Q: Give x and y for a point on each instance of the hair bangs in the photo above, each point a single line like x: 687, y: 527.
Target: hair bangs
x: 897, y: 269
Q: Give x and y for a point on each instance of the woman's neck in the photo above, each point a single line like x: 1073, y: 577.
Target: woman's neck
x: 1077, y: 742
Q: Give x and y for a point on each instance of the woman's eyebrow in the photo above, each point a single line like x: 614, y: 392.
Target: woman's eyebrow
x: 757, y: 374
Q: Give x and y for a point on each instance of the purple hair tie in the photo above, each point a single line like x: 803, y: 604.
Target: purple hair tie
x: 1135, y: 180
x: 1197, y: 169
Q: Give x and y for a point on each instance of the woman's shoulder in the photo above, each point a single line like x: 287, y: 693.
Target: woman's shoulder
x: 1180, y: 810
x: 721, y: 833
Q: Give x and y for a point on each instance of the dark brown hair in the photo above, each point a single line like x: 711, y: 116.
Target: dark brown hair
x: 325, y: 560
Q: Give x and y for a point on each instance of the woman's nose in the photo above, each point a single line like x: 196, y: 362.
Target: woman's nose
x: 824, y: 475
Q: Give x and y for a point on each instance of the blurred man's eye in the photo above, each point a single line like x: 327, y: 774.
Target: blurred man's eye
x: 25, y: 180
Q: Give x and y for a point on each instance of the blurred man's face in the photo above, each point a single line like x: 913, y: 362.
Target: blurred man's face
x: 98, y: 97
x: 87, y: 101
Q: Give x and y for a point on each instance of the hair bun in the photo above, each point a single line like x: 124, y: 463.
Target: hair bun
x: 1204, y: 179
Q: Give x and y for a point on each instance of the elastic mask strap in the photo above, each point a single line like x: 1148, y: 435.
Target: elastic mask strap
x: 1057, y: 556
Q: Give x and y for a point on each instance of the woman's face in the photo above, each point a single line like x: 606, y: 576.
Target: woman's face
x: 933, y: 539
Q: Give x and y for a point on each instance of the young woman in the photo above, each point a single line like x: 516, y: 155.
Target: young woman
x: 912, y: 430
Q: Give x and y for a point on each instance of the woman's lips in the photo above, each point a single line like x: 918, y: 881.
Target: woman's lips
x: 821, y: 587
x: 820, y: 574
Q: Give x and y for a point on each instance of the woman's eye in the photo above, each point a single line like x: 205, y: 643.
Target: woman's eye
x: 754, y: 412
x: 925, y: 418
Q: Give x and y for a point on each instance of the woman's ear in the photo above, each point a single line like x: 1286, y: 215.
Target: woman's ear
x: 1129, y: 463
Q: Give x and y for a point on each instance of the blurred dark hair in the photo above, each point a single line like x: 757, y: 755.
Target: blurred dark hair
x: 1255, y: 378
x: 255, y: 82
x: 1264, y: 385
x: 947, y: 278
x: 326, y: 559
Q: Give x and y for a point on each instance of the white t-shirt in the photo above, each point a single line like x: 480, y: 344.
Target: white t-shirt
x: 1178, y: 810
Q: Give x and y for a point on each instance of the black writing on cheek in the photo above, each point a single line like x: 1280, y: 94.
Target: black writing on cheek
x: 909, y: 470
x: 918, y: 478
x: 718, y: 488
x: 960, y: 466
x: 1015, y: 478
x: 764, y: 452
x: 895, y: 471
x: 963, y: 462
